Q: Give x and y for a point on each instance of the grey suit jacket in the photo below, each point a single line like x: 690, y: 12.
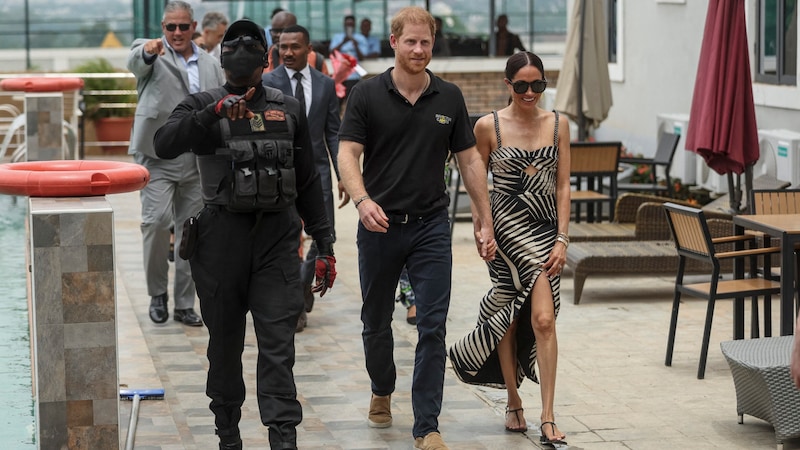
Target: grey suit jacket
x: 323, y: 115
x: 161, y: 86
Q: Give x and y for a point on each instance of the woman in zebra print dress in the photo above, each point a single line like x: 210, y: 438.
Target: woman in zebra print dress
x: 527, y: 149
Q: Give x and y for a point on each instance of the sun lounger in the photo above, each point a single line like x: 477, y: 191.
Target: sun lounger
x: 647, y: 257
x: 636, y: 217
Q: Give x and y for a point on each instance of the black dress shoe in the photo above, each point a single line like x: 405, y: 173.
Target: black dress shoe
x: 188, y: 317
x: 158, y: 308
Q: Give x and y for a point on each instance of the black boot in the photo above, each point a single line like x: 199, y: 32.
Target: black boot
x: 230, y: 442
x: 282, y: 441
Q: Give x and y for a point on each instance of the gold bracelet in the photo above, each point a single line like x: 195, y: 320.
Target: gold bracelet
x: 563, y: 238
x: 358, y: 202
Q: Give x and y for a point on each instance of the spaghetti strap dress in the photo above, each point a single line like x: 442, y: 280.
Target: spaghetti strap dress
x: 525, y: 225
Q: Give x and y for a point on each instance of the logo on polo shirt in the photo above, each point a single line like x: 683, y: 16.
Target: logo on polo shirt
x: 444, y: 120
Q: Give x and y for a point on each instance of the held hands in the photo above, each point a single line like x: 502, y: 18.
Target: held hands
x: 235, y: 106
x: 484, y: 240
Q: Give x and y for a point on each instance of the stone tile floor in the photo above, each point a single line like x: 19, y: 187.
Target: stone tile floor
x: 613, y: 390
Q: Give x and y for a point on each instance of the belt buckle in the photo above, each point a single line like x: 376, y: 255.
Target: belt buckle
x: 405, y: 219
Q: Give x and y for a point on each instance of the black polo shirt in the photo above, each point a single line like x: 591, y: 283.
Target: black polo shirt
x: 406, y: 146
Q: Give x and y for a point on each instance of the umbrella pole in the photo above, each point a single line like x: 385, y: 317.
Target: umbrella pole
x: 735, y: 190
x: 748, y: 182
x: 734, y: 193
x: 581, y: 117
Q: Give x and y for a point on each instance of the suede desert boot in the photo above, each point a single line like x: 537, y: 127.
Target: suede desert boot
x: 380, y: 411
x: 431, y: 441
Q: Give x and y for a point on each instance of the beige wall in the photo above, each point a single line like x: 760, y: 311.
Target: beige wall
x: 480, y: 79
x: 486, y: 91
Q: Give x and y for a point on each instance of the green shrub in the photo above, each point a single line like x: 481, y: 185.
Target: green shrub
x: 92, y: 102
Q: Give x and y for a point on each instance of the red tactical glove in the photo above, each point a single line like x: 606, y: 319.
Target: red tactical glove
x: 225, y: 103
x: 325, y: 273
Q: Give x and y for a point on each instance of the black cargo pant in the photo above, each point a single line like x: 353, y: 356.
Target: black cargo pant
x: 248, y: 262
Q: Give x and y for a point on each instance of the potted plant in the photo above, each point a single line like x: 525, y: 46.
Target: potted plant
x: 110, y: 111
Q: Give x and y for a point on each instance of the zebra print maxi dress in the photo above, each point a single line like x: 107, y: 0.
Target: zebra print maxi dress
x: 525, y: 226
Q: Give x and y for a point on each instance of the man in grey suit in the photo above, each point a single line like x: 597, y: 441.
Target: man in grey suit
x: 167, y: 69
x: 318, y: 94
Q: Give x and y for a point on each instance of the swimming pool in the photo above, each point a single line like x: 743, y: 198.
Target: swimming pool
x: 17, y: 416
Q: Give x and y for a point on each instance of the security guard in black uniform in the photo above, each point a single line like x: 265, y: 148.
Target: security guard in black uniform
x: 257, y: 173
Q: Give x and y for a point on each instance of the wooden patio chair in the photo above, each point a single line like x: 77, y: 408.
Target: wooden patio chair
x: 692, y: 240
x: 665, y: 152
x: 775, y: 201
x: 591, y: 163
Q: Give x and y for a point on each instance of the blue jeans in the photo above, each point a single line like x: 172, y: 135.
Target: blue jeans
x: 423, y: 245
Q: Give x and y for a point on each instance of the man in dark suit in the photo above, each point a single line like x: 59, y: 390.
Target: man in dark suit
x: 318, y: 95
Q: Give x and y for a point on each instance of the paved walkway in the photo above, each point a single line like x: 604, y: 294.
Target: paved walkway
x: 613, y: 390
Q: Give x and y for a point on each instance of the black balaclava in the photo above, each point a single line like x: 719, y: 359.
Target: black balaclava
x: 243, y: 61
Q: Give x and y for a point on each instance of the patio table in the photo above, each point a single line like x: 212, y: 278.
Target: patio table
x: 787, y: 228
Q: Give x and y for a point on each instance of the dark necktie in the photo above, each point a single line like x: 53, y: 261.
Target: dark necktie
x: 299, y: 93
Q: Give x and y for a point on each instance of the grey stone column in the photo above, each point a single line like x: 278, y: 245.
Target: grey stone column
x: 73, y: 323
x: 44, y: 118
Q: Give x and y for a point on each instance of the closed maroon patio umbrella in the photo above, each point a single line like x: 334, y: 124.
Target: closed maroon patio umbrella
x: 722, y: 122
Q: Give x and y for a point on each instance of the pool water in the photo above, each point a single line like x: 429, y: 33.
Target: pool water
x: 17, y: 428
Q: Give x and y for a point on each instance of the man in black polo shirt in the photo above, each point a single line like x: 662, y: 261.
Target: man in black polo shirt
x: 404, y: 122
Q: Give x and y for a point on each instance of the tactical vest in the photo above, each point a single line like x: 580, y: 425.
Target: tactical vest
x: 255, y: 170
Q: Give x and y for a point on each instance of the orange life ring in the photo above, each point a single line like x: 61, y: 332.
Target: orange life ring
x: 41, y: 84
x: 69, y: 178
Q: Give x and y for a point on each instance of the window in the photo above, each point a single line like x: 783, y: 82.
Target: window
x: 611, y: 18
x: 777, y: 42
x: 615, y: 27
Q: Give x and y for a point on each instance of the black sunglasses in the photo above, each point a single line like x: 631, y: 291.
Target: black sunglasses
x: 248, y: 41
x: 521, y: 87
x: 172, y: 26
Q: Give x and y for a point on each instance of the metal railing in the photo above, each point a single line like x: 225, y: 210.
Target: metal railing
x: 74, y: 108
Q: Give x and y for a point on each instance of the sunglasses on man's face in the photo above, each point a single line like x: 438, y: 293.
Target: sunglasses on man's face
x: 521, y: 87
x: 248, y: 41
x: 172, y: 26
